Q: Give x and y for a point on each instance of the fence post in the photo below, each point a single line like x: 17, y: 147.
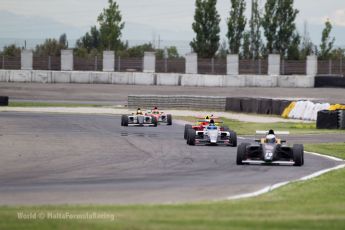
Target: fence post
x: 341, y: 64
x: 274, y: 64
x: 49, y: 63
x: 330, y: 66
x: 3, y: 62
x: 26, y: 59
x: 67, y: 60
x: 232, y: 66
x: 119, y: 66
x: 108, y: 61
x: 260, y: 71
x: 149, y: 62
x: 312, y: 65
x: 166, y: 64
x: 212, y: 65
x: 192, y: 63
x: 96, y: 59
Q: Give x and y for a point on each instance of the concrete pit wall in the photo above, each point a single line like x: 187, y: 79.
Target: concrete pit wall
x: 168, y: 79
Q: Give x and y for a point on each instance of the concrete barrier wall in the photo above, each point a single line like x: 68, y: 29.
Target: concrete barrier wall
x: 169, y: 79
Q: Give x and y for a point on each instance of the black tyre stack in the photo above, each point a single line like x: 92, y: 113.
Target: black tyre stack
x: 3, y: 101
x: 330, y: 119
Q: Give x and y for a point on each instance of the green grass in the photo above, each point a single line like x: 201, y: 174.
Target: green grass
x: 334, y: 149
x: 249, y: 128
x: 315, y: 204
x: 49, y: 104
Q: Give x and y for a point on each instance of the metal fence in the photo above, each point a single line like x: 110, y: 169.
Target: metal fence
x: 331, y: 67
x: 175, y: 65
x: 178, y: 65
x: 257, y: 67
x: 292, y: 67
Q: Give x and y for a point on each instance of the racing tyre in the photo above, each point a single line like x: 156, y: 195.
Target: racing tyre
x: 233, y: 139
x: 298, y: 154
x: 186, y: 127
x: 124, y: 120
x: 191, y: 137
x: 241, y: 153
x: 169, y: 119
x: 154, y: 121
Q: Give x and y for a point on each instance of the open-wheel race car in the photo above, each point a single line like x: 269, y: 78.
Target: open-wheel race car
x: 139, y: 119
x: 161, y: 117
x: 270, y: 150
x: 210, y: 134
x: 203, y: 122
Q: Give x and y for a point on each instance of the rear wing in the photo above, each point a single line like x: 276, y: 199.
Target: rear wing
x: 276, y: 132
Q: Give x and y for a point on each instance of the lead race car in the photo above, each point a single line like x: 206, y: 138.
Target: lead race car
x: 212, y: 135
x: 270, y: 150
x: 139, y: 119
x: 161, y: 117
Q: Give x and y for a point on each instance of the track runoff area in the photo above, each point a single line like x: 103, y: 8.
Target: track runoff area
x: 107, y: 159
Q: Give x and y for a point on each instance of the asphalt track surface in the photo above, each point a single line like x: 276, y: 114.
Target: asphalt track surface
x: 117, y: 94
x: 89, y: 159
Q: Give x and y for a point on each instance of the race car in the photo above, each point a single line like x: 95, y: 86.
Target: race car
x: 160, y: 116
x: 270, y: 150
x: 203, y: 122
x: 138, y: 119
x: 211, y: 135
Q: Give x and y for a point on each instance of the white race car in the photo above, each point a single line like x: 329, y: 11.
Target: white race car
x: 212, y: 135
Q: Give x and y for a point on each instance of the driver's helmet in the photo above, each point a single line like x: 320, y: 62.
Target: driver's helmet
x: 271, y: 139
x: 139, y: 112
x: 155, y: 110
x: 212, y: 122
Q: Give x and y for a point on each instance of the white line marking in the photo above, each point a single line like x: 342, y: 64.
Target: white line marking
x: 325, y: 156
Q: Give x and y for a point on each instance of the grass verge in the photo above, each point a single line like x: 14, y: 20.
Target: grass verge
x: 315, y: 204
x: 334, y: 149
x: 249, y: 128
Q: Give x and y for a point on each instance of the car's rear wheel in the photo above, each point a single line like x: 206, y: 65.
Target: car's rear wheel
x: 124, y: 120
x: 233, y: 139
x: 298, y: 154
x: 241, y: 153
x: 191, y: 137
x: 169, y: 119
x: 186, y: 127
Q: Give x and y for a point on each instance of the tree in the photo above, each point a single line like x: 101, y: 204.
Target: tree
x: 169, y: 52
x: 270, y: 24
x: 52, y: 47
x: 91, y: 40
x: 11, y: 51
x: 246, y: 54
x: 255, y: 33
x: 223, y: 50
x: 287, y: 27
x: 111, y: 25
x: 326, y: 41
x: 236, y: 25
x: 279, y: 25
x: 293, y: 52
x: 206, y: 28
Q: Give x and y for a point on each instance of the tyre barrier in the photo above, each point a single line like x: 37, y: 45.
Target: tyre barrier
x: 341, y: 119
x: 329, y: 81
x: 327, y: 119
x: 3, y: 101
